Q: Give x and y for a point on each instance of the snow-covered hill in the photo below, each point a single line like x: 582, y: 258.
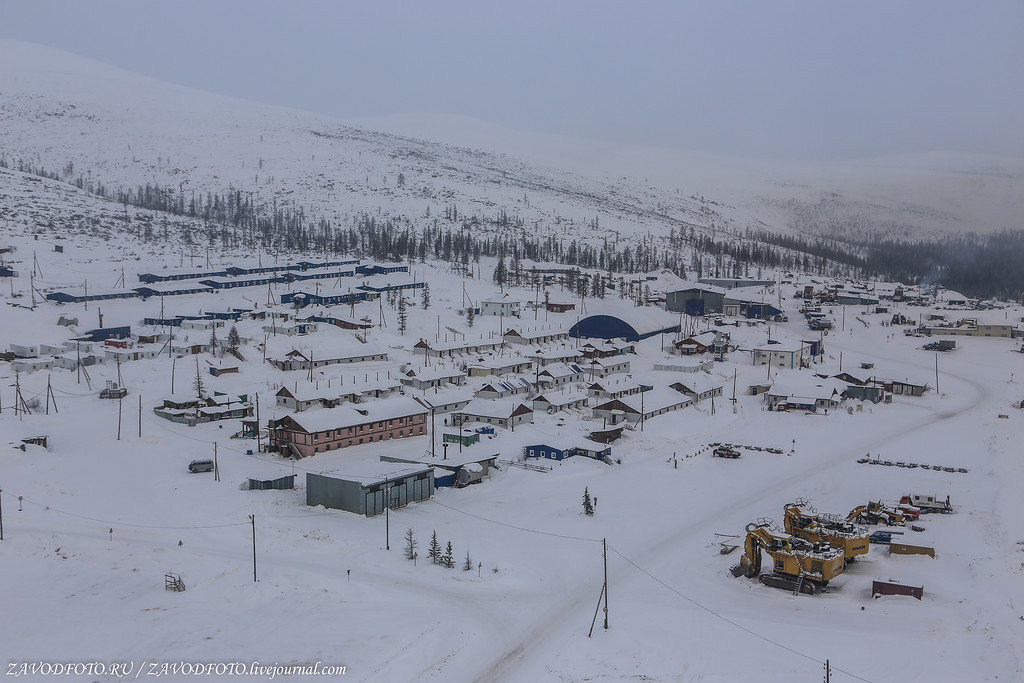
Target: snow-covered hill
x: 85, y: 120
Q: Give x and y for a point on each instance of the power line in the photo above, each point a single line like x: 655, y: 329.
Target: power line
x: 114, y: 523
x: 513, y: 526
x: 727, y: 619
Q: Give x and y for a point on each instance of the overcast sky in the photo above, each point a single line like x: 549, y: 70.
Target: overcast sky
x: 778, y: 79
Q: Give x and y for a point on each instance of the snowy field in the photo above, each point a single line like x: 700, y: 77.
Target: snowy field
x: 103, y: 519
x: 92, y: 523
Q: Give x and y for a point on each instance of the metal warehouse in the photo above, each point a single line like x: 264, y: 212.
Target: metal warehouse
x: 363, y: 489
x: 632, y: 325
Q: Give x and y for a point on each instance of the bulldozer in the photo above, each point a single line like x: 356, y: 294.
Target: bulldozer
x: 798, y: 565
x: 831, y: 529
x: 877, y: 513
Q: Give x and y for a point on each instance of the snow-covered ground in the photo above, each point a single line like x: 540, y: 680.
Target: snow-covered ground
x: 93, y: 522
x: 103, y: 519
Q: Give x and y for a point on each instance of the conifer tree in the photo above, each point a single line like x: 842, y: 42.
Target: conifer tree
x: 448, y: 559
x: 588, y: 505
x: 403, y: 316
x: 435, y: 549
x: 426, y: 296
x: 468, y: 564
x: 410, y: 544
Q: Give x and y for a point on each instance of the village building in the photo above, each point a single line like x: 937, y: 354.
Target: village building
x: 808, y: 393
x: 602, y: 367
x: 366, y: 489
x: 497, y: 366
x: 501, y: 306
x: 543, y: 357
x: 302, y: 360
x: 607, y: 348
x: 697, y: 344
x: 451, y: 349
x: 790, y: 354
x: 536, y: 336
x: 558, y: 375
x: 553, y: 402
x: 615, y: 389
x: 326, y: 429
x: 561, y: 449
x: 686, y: 364
x: 505, y: 413
x: 503, y: 388
x: 631, y: 324
x: 440, y: 401
x: 972, y: 327
x: 431, y: 377
x: 699, y: 386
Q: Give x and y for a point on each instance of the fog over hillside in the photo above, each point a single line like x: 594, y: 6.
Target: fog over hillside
x: 75, y: 115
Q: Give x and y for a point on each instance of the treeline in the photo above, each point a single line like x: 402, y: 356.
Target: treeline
x: 237, y: 219
x: 975, y: 265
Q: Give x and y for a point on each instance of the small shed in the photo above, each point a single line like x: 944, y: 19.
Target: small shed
x: 281, y: 483
x: 895, y: 587
x: 464, y: 437
x: 544, y: 451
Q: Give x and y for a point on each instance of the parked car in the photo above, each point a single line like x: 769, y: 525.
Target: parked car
x: 200, y: 466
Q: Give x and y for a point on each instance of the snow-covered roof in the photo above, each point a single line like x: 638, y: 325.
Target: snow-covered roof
x: 321, y: 419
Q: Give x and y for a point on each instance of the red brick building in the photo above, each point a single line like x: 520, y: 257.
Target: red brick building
x: 318, y: 431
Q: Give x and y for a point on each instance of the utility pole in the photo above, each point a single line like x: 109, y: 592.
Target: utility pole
x: 216, y: 467
x: 1, y: 514
x: 433, y: 454
x: 252, y: 518
x: 140, y: 416
x: 119, y: 418
x: 604, y: 547
x: 936, y: 372
x: 387, y: 515
x: 828, y: 671
x: 643, y: 412
x: 258, y: 444
x: 50, y: 397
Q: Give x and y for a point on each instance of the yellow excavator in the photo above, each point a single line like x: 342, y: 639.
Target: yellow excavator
x: 798, y: 565
x: 831, y: 529
x: 876, y: 513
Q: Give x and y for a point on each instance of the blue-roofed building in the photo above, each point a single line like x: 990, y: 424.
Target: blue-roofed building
x: 630, y: 324
x: 162, y: 322
x: 101, y: 333
x: 307, y: 298
x: 390, y: 287
x: 150, y: 278
x: 544, y: 451
x: 176, y: 289
x: 378, y: 269
x: 65, y: 298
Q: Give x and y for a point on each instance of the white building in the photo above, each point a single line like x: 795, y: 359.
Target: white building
x: 786, y: 354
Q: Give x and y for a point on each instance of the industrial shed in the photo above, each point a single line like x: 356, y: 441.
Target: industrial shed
x: 632, y: 325
x: 362, y: 489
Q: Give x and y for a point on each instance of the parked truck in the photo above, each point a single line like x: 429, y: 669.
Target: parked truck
x: 927, y: 503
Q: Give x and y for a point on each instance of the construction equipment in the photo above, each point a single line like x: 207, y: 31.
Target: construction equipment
x: 876, y: 513
x: 726, y: 452
x: 797, y: 564
x: 927, y: 503
x: 831, y: 529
